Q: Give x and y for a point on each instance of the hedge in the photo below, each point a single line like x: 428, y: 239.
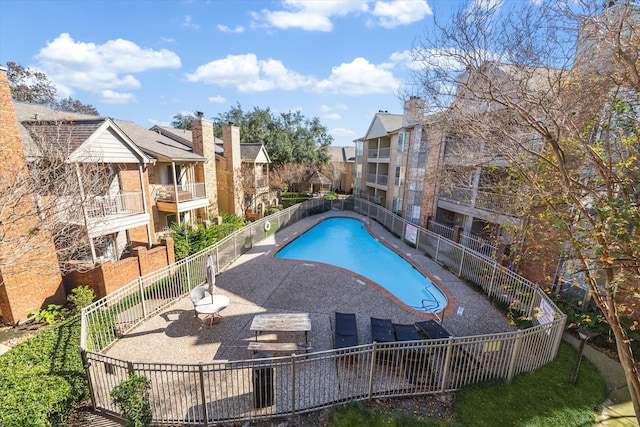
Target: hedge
x: 42, y: 379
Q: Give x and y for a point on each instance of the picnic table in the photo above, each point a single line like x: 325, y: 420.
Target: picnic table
x: 280, y: 322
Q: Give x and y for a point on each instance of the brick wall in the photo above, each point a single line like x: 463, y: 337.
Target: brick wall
x: 29, y: 273
x: 130, y: 182
x: 204, y: 145
x: 111, y: 276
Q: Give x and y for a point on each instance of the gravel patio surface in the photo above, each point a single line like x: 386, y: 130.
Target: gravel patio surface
x: 256, y: 283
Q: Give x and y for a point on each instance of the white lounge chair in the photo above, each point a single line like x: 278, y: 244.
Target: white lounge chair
x: 211, y: 305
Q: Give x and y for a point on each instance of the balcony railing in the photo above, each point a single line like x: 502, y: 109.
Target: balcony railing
x: 377, y: 179
x: 488, y: 201
x: 379, y: 153
x: 496, y: 202
x: 119, y: 204
x: 261, y: 182
x: 186, y: 192
x: 382, y: 179
x: 457, y: 194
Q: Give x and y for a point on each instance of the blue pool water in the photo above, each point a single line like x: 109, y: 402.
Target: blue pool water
x: 346, y: 243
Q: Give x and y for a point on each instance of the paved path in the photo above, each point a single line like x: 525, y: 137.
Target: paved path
x: 619, y: 410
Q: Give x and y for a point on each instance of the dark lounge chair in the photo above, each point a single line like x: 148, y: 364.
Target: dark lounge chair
x: 382, y: 330
x: 346, y: 330
x: 416, y: 360
x: 431, y: 330
x: 405, y: 332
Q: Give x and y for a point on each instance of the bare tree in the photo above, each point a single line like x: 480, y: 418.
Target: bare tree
x: 60, y: 190
x: 552, y: 89
x: 285, y: 176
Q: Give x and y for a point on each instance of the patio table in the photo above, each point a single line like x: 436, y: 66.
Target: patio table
x: 282, y: 322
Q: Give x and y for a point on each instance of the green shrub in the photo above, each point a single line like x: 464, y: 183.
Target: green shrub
x: 48, y: 315
x: 42, y: 379
x: 131, y: 396
x: 271, y: 210
x: 80, y: 297
x: 331, y: 196
x: 189, y: 240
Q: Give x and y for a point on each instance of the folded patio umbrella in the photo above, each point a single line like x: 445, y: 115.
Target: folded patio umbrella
x: 211, y: 276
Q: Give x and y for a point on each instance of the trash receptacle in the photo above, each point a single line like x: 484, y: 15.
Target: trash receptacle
x: 262, y: 381
x: 416, y: 367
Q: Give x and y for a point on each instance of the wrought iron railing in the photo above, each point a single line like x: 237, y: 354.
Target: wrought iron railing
x: 237, y: 391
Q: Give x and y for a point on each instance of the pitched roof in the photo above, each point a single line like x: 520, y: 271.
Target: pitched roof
x: 382, y: 124
x: 31, y: 112
x: 318, y: 178
x: 157, y: 145
x: 181, y: 135
x: 251, y: 152
x: 68, y: 135
x: 186, y: 137
x: 71, y: 131
x: 342, y: 154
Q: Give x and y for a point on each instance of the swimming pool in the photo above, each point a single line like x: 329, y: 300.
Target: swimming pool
x: 346, y: 243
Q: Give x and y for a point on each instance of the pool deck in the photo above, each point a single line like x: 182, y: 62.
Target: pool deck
x: 256, y: 283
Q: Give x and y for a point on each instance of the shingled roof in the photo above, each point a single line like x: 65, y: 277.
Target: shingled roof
x: 158, y: 145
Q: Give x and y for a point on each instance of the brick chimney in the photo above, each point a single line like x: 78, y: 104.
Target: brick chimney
x: 233, y: 162
x: 413, y: 111
x: 204, y: 144
x: 32, y: 279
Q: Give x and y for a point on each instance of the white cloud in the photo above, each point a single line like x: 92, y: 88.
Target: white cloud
x: 284, y: 20
x: 308, y: 15
x: 217, y: 99
x: 329, y: 110
x: 342, y: 132
x: 110, y: 97
x: 391, y: 14
x: 100, y: 68
x: 188, y: 23
x: 249, y: 74
x: 358, y: 77
x: 158, y: 122
x: 225, y: 29
x: 167, y: 39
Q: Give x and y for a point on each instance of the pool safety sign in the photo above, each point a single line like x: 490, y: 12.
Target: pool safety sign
x: 411, y: 233
x: 545, y: 315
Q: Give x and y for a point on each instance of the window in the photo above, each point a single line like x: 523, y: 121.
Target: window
x: 403, y: 141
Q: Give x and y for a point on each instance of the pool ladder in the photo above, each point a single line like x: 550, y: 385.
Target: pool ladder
x: 431, y: 304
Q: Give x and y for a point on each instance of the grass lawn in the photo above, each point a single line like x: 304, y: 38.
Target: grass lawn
x: 541, y: 398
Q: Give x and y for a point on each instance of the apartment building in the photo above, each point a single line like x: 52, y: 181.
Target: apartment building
x: 381, y: 160
x: 341, y: 163
x: 239, y: 176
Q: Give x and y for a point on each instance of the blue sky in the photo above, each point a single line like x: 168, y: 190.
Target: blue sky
x: 145, y: 61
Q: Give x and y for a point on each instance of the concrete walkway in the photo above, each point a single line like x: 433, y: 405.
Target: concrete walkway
x: 619, y: 409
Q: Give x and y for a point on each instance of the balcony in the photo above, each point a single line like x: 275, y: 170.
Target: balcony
x: 105, y: 214
x: 496, y: 202
x: 458, y: 195
x: 257, y: 184
x: 181, y: 198
x: 379, y: 153
x: 372, y: 178
x: 100, y: 207
x: 493, y: 202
